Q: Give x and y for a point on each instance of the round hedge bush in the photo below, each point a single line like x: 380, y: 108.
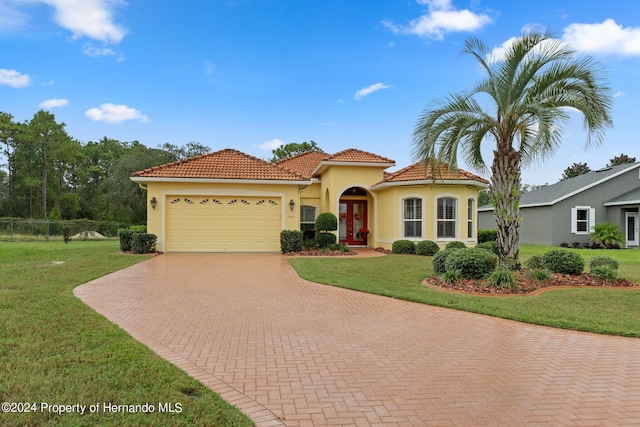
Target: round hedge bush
x: 427, y: 248
x: 565, y: 262
x: 472, y: 263
x: 325, y: 239
x: 491, y: 246
x: 536, y: 262
x: 603, y: 261
x: 455, y: 245
x: 439, y: 260
x: 326, y: 221
x: 403, y: 247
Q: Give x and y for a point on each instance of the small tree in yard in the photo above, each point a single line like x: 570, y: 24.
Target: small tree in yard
x: 325, y: 223
x: 518, y: 109
x: 607, y: 233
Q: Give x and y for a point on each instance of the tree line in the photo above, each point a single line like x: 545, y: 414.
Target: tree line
x: 47, y: 174
x: 578, y: 169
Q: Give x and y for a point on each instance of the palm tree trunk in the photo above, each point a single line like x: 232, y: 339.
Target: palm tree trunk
x: 505, y: 188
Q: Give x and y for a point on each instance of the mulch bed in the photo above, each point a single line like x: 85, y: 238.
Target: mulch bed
x: 318, y: 252
x: 527, y: 284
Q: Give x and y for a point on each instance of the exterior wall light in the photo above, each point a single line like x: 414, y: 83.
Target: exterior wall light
x: 153, y: 202
x: 291, y: 204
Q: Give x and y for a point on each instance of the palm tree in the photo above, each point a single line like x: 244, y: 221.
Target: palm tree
x: 520, y: 106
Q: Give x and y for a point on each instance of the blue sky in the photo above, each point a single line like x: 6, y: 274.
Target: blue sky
x: 251, y: 75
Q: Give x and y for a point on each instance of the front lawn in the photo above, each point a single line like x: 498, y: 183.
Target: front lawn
x: 606, y: 311
x: 54, y: 350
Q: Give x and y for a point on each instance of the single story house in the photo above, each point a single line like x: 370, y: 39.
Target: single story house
x: 231, y: 201
x: 568, y: 210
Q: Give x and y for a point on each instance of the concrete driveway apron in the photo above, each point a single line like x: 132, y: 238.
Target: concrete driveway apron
x: 290, y: 352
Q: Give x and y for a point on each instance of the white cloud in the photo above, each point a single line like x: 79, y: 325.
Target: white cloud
x: 271, y: 144
x: 369, y: 90
x: 88, y: 18
x: 53, y: 103
x: 84, y: 18
x: 113, y: 113
x: 97, y: 52
x: 618, y: 94
x: 11, y: 18
x: 498, y: 53
x: 14, y: 78
x: 441, y: 18
x: 604, y: 38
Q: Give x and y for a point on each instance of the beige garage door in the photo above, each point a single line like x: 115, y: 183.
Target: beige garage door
x: 223, y: 224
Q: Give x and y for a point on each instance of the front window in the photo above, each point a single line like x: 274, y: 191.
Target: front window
x: 582, y: 219
x: 307, y: 220
x: 413, y: 218
x: 470, y: 217
x: 446, y: 218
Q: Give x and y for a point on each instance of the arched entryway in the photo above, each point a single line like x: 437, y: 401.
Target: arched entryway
x: 353, y: 217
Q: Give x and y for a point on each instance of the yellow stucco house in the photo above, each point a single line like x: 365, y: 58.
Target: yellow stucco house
x: 228, y: 201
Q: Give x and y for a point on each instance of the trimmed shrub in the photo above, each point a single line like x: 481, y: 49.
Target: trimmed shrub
x: 403, y: 247
x: 326, y: 222
x: 491, y: 246
x: 562, y: 261
x: 439, y: 260
x: 427, y: 248
x: 291, y: 241
x: 472, y: 263
x: 455, y: 245
x: 487, y: 236
x: 143, y: 243
x: 138, y: 228
x: 325, y: 239
x: 536, y: 262
x: 125, y: 239
x: 603, y: 261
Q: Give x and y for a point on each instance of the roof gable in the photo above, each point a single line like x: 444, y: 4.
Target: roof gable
x: 303, y: 164
x: 352, y: 155
x: 223, y: 164
x: 552, y: 194
x: 420, y: 171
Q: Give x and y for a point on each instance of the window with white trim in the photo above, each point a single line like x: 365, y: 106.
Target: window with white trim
x: 307, y: 218
x: 470, y: 216
x: 446, y: 218
x: 412, y: 217
x: 583, y: 218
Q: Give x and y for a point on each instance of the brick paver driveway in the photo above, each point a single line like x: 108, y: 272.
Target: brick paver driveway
x: 290, y: 352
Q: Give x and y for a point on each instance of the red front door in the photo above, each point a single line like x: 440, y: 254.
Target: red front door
x: 352, y: 222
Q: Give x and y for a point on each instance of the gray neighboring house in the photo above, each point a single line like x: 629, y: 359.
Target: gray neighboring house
x: 568, y: 210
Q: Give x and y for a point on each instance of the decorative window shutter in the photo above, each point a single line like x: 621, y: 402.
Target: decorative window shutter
x: 592, y: 219
x: 574, y: 218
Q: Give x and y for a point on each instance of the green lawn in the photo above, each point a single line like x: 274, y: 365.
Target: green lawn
x: 606, y: 311
x: 55, y: 350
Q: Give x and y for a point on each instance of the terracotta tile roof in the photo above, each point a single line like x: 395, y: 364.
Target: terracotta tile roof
x: 420, y: 171
x: 358, y: 156
x: 303, y: 164
x: 224, y: 164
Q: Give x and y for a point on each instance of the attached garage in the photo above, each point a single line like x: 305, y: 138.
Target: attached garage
x: 223, y: 223
x: 226, y: 201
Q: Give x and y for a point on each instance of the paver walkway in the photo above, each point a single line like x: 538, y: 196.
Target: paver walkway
x: 290, y: 352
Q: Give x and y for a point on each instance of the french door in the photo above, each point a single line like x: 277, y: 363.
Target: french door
x: 631, y: 229
x: 352, y: 227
